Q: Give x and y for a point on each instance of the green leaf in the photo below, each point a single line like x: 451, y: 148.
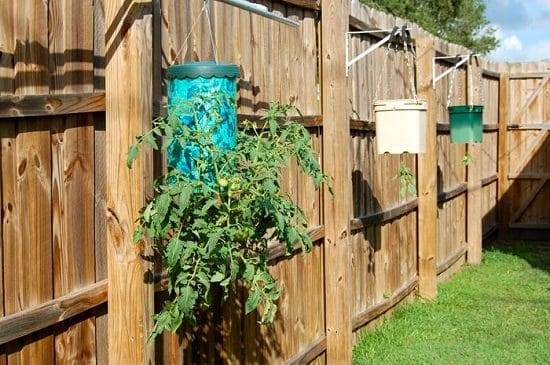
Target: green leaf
x: 252, y: 301
x: 217, y: 277
x: 173, y: 251
x: 132, y: 154
x: 138, y: 234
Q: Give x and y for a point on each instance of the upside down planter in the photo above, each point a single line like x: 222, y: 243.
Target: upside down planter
x: 400, y: 126
x: 466, y: 123
x: 200, y: 78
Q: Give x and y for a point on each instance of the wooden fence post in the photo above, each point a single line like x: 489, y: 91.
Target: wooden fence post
x: 503, y: 120
x: 427, y: 176
x: 474, y: 232
x: 128, y: 73
x: 336, y: 163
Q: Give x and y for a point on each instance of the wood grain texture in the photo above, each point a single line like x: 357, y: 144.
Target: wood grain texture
x: 28, y: 273
x: 129, y: 113
x: 43, y: 105
x: 336, y: 164
x: 427, y: 177
x: 70, y: 35
x: 474, y: 226
x: 503, y: 155
x: 51, y: 312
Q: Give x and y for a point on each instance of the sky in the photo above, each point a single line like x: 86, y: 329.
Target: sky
x: 523, y: 28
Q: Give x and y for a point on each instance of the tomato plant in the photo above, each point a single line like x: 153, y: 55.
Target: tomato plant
x: 213, y: 228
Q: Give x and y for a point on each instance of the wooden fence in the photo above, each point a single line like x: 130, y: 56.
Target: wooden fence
x: 68, y: 201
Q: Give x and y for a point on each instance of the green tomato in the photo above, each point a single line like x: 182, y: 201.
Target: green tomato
x: 223, y: 182
x: 241, y: 235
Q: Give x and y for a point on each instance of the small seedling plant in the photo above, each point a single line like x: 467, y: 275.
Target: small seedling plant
x: 407, y: 181
x: 213, y: 229
x: 467, y: 159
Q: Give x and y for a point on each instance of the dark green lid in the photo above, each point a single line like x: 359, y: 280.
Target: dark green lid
x: 206, y: 69
x: 466, y: 109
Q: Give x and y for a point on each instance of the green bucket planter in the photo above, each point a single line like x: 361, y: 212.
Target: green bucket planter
x: 466, y: 122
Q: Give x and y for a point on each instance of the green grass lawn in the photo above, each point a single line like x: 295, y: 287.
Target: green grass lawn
x: 495, y: 313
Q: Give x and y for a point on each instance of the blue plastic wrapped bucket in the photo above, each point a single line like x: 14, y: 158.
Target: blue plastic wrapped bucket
x: 200, y: 78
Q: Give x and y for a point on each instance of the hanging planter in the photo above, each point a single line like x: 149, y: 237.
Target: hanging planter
x: 191, y: 80
x: 466, y: 123
x: 400, y: 123
x: 400, y: 126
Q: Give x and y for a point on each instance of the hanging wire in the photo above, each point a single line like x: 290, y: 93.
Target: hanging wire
x: 212, y: 42
x: 204, y: 10
x: 409, y: 66
x: 470, y: 85
x: 451, y: 87
x: 381, y: 74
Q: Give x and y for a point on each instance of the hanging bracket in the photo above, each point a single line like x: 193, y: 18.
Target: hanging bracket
x: 390, y: 37
x: 261, y: 10
x: 458, y: 61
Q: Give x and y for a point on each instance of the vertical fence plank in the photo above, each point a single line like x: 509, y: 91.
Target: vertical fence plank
x: 31, y: 246
x: 474, y: 232
x: 336, y: 158
x: 427, y: 176
x: 70, y: 40
x: 129, y: 108
x: 503, y: 119
x: 7, y: 40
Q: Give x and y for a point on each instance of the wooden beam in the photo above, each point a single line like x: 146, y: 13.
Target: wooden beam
x: 307, y: 4
x: 529, y: 75
x: 128, y: 74
x: 528, y: 200
x: 376, y: 310
x: 489, y: 73
x: 474, y: 231
x: 540, y: 141
x: 530, y: 99
x: 337, y: 164
x: 488, y: 180
x: 51, y: 312
x: 382, y: 217
x: 362, y: 125
x: 450, y: 194
x: 445, y: 127
x: 544, y: 126
x: 305, y: 120
x: 451, y: 260
x: 541, y: 226
x: 279, y: 250
x: 503, y: 163
x: 310, y: 353
x: 41, y: 105
x: 427, y: 176
x: 528, y: 176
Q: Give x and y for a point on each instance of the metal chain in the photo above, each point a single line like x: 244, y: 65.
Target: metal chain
x: 481, y: 87
x: 470, y: 84
x: 451, y: 87
x: 381, y: 74
x: 409, y: 67
x: 460, y: 94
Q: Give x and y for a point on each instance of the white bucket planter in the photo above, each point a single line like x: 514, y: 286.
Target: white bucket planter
x: 400, y: 126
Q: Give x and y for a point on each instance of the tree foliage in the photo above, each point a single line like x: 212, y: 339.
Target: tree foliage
x: 214, y: 229
x: 459, y: 21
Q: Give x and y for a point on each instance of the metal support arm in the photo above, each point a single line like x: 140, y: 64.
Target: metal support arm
x: 260, y: 10
x: 459, y: 61
x: 392, y: 33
